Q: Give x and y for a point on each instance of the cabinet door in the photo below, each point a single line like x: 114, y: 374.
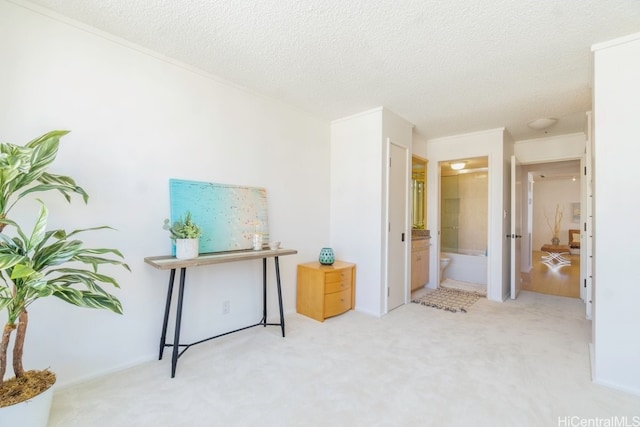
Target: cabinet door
x: 419, y: 266
x: 419, y: 263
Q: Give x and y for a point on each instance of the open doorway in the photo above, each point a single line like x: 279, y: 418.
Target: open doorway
x: 551, y: 263
x: 464, y: 224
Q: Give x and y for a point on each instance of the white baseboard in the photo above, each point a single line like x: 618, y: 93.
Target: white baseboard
x: 367, y: 312
x: 631, y: 390
x: 63, y: 385
x: 592, y: 361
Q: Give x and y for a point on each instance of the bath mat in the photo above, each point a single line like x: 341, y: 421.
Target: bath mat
x: 473, y: 288
x: 452, y: 300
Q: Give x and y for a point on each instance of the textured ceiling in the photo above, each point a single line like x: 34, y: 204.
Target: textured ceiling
x: 449, y: 67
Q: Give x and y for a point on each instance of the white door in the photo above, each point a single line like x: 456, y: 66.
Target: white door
x: 516, y: 226
x: 397, y: 239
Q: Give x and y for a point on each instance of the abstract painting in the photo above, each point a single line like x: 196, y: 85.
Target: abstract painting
x: 229, y: 215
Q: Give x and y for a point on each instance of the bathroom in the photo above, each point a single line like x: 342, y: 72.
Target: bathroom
x: 464, y: 223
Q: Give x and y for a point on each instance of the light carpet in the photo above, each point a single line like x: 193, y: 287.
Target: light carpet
x: 452, y: 300
x: 518, y: 363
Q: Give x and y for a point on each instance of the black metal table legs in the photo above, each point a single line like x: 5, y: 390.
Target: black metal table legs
x: 176, y: 340
x: 167, y: 307
x: 279, y: 295
x: 264, y: 294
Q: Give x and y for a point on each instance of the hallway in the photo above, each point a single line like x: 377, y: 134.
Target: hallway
x: 553, y: 280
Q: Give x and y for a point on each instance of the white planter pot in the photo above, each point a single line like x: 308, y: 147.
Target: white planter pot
x: 186, y: 248
x: 33, y: 412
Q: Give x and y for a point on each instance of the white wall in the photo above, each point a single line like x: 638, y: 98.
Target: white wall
x: 550, y: 149
x: 356, y: 202
x: 491, y: 143
x: 358, y: 194
x: 137, y: 120
x: 616, y: 151
x: 546, y: 196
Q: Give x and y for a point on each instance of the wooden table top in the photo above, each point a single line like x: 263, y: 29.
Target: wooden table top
x: 168, y: 262
x: 555, y: 248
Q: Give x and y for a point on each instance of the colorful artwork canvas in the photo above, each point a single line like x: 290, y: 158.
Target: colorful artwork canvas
x: 229, y: 215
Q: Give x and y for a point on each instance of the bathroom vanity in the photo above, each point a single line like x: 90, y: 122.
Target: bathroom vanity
x: 420, y: 244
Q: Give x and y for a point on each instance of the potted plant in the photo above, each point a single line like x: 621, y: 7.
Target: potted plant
x: 186, y: 233
x: 555, y: 229
x: 41, y: 264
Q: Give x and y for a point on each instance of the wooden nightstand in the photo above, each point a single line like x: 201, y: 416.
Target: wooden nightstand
x: 325, y: 290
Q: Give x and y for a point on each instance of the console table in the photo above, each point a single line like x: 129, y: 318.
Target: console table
x: 172, y: 263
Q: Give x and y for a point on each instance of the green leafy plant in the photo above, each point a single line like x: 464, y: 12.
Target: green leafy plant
x: 42, y: 263
x: 183, y: 228
x: 23, y: 171
x: 37, y: 265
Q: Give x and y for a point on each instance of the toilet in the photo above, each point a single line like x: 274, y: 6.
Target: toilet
x: 444, y: 263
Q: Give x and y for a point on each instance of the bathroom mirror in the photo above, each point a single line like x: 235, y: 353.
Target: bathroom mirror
x: 419, y: 192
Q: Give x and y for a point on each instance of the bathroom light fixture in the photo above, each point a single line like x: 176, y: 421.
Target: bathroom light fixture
x: 458, y: 165
x: 540, y: 124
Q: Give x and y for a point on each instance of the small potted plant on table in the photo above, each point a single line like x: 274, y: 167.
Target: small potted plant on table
x: 186, y: 233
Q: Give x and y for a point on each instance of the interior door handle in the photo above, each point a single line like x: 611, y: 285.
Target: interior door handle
x: 403, y: 237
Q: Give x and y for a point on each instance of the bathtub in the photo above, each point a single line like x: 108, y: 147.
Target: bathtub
x: 467, y: 266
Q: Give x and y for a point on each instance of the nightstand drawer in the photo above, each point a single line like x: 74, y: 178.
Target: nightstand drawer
x: 337, y: 281
x: 337, y: 303
x: 343, y: 275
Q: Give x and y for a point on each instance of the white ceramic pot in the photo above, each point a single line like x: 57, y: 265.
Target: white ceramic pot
x: 186, y: 248
x: 33, y: 412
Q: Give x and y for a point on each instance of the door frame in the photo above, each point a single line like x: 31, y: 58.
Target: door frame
x: 516, y: 227
x: 586, y: 216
